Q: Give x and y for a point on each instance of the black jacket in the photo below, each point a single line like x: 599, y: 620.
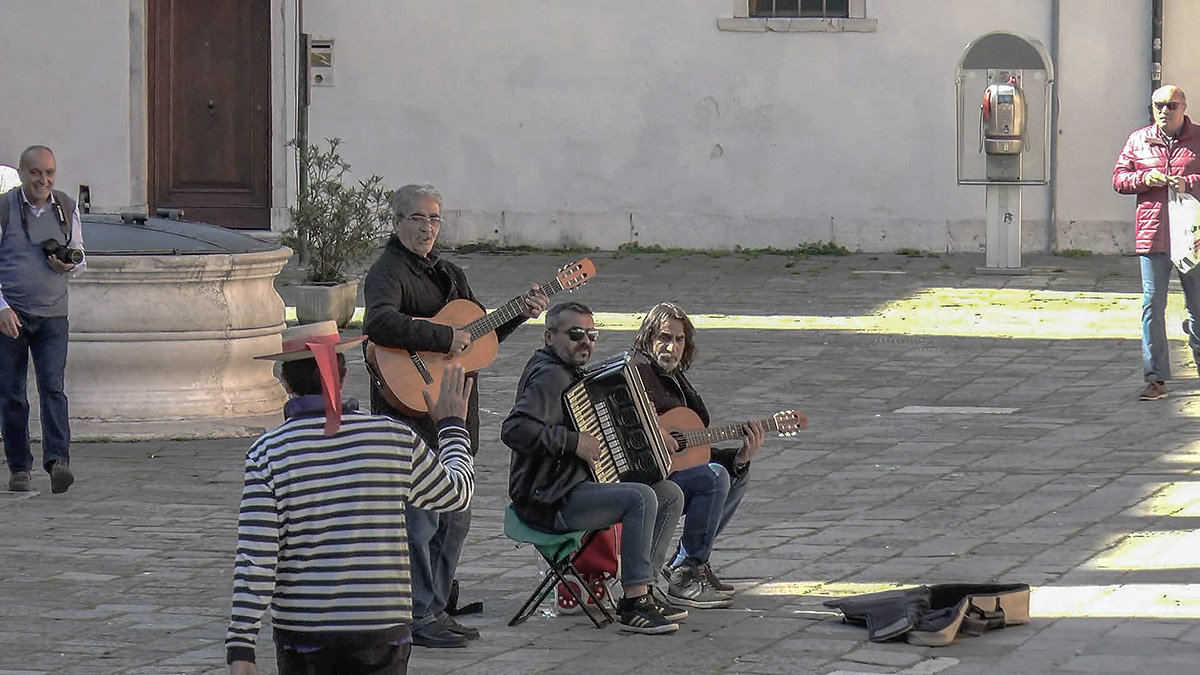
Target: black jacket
x: 402, y: 289
x: 672, y: 390
x: 544, y: 464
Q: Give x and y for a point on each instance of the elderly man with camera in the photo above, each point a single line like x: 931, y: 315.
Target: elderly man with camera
x: 41, y: 243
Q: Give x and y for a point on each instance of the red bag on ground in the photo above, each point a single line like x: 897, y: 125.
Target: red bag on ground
x: 599, y: 565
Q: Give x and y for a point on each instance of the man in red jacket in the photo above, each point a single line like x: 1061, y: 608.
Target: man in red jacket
x: 1161, y: 155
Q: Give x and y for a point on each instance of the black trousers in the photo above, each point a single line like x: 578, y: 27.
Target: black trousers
x: 372, y: 660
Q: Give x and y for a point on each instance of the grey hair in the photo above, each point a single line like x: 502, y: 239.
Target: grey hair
x: 552, y: 314
x: 28, y: 152
x: 404, y: 201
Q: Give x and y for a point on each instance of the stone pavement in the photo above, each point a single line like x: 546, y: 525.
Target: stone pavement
x: 964, y: 427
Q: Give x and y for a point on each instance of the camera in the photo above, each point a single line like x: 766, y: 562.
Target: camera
x: 66, y: 254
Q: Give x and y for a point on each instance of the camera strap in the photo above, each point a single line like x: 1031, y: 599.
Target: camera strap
x: 58, y: 214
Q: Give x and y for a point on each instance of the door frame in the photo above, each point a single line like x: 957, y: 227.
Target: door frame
x: 284, y: 50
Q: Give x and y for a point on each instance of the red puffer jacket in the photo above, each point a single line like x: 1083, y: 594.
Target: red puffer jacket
x: 1146, y: 150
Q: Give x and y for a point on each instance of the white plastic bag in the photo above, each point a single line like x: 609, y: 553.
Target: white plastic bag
x: 1183, y: 213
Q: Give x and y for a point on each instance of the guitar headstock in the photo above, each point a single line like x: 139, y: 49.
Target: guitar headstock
x: 790, y: 422
x: 575, y: 274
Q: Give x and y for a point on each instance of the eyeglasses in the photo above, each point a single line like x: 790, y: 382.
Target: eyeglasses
x: 428, y: 220
x: 1169, y: 105
x: 577, y: 334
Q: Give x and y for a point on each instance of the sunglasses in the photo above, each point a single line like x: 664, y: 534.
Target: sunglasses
x: 1169, y: 105
x: 577, y: 334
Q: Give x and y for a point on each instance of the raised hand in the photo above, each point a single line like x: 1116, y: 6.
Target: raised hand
x: 454, y: 394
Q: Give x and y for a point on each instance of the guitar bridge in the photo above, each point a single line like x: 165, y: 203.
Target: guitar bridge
x: 420, y: 366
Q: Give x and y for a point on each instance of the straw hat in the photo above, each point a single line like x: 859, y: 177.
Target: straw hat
x: 296, y: 341
x: 319, y: 341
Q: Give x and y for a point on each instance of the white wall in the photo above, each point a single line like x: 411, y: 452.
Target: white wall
x: 601, y: 123
x: 1181, y: 49
x: 564, y: 122
x: 1103, y: 92
x: 67, y: 85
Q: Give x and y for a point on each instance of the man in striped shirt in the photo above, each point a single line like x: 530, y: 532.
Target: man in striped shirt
x: 321, y: 531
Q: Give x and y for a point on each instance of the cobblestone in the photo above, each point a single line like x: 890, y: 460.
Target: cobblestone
x: 1079, y: 490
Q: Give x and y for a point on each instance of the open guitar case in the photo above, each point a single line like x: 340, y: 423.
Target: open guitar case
x: 934, y: 615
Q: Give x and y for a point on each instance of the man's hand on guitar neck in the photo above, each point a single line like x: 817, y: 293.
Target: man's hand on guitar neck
x: 535, y: 301
x: 755, y: 435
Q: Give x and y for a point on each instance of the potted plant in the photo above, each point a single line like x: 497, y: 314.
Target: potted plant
x: 334, y: 225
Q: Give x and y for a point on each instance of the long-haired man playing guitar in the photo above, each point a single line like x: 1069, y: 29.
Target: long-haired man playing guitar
x: 665, y: 346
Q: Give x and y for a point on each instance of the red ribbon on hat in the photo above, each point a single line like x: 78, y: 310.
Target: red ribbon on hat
x: 325, y: 353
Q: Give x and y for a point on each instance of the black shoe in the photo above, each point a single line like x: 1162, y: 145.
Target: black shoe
x: 457, y: 628
x: 437, y: 636
x: 639, y: 615
x: 60, y: 477
x: 670, y: 612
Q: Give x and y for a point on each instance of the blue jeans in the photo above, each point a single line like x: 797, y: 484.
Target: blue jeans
x: 45, y: 337
x: 435, y: 542
x: 737, y: 490
x: 1156, y: 275
x: 705, y: 489
x: 593, y: 506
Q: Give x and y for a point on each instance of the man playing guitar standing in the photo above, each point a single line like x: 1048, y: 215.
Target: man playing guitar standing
x: 665, y: 347
x: 408, y: 284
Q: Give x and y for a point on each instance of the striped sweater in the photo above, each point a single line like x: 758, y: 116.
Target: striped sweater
x: 321, y: 531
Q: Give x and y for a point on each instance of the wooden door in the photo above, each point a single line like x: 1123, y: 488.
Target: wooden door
x: 210, y: 104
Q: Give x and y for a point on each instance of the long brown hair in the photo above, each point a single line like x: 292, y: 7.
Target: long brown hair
x: 656, y: 318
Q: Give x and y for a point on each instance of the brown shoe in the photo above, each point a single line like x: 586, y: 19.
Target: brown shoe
x: 1154, y: 391
x: 18, y: 481
x: 60, y: 477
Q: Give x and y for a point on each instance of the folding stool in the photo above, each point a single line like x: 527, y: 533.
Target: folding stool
x: 559, y: 551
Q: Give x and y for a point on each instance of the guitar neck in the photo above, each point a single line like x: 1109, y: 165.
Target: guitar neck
x: 507, y: 312
x: 727, y: 432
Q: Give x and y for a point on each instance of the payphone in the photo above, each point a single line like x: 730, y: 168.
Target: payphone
x: 1002, y: 118
x: 1003, y: 139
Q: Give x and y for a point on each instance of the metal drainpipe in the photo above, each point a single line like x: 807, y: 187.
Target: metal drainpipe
x: 1156, y: 34
x: 301, y: 101
x: 1052, y: 188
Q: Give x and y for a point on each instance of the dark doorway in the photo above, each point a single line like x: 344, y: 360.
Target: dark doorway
x: 210, y: 109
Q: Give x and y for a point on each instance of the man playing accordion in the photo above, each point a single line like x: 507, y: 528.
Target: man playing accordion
x: 550, y: 479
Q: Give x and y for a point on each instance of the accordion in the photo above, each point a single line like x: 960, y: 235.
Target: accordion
x: 611, y: 404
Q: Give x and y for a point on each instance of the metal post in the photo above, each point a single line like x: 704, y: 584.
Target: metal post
x: 1003, y: 229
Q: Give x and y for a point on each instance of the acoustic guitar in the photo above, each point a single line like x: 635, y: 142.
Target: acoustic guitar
x: 406, y: 374
x: 695, y: 440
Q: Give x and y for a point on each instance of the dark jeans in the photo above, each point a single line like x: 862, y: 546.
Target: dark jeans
x: 435, y: 542
x: 647, y: 513
x: 374, y: 660
x: 705, y: 489
x: 737, y: 490
x: 45, y: 337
